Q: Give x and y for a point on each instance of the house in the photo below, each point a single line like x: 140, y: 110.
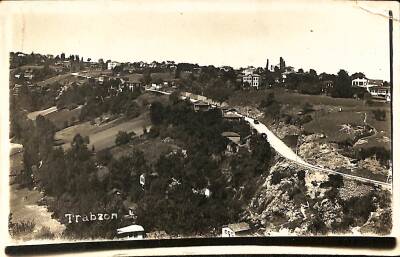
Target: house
x: 111, y: 65
x: 374, y: 86
x: 232, y: 115
x: 131, y: 232
x: 66, y: 64
x: 133, y: 81
x: 366, y: 83
x: 201, y: 106
x: 28, y: 74
x: 237, y: 229
x: 234, y: 141
x: 374, y: 82
x: 359, y: 82
x: 186, y: 95
x: 199, y: 98
x: 380, y: 91
x: 252, y: 79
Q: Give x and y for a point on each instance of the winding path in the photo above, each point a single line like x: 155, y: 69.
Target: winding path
x: 286, y: 152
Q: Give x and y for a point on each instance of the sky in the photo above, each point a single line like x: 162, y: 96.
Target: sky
x: 322, y: 35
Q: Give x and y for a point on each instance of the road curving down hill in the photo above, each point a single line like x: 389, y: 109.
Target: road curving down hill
x: 286, y: 152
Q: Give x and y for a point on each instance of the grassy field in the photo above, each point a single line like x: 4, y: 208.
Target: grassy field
x: 165, y: 76
x: 33, y: 115
x: 60, y: 79
x: 27, y: 67
x: 326, y: 119
x: 103, y: 136
x: 254, y: 98
x: 331, y: 125
x: 96, y: 73
x: 58, y: 118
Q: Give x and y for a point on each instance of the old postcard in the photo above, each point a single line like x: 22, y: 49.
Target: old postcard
x: 133, y: 120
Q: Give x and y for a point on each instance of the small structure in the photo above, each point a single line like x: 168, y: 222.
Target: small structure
x: 112, y: 65
x: 231, y: 115
x: 201, y: 106
x: 237, y: 229
x: 232, y: 136
x: 142, y: 180
x: 135, y: 232
x: 234, y: 141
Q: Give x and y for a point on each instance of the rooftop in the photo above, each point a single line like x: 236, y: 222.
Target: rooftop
x: 131, y: 228
x: 238, y: 227
x: 230, y: 134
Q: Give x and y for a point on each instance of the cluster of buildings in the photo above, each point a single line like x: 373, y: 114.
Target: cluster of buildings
x: 27, y: 74
x: 374, y: 86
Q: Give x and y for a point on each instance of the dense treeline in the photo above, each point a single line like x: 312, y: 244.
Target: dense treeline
x: 110, y: 97
x: 180, y: 187
x: 174, y: 205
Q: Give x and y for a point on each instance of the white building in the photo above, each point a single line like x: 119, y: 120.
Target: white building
x: 379, y: 91
x: 359, y: 82
x: 252, y: 79
x: 131, y: 232
x: 238, y: 229
x: 112, y: 65
x: 374, y: 86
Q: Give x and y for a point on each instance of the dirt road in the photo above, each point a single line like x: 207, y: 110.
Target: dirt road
x: 287, y: 152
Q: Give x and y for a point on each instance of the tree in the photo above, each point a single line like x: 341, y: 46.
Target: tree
x: 146, y: 79
x: 261, y: 152
x: 379, y: 114
x: 358, y: 75
x: 122, y: 138
x: 342, y: 86
x: 313, y: 73
x: 174, y: 97
x: 156, y: 113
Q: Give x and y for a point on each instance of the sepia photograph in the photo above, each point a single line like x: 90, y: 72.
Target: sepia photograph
x: 175, y: 119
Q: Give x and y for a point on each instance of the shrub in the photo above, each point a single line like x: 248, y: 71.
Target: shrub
x: 307, y: 108
x: 154, y: 132
x: 276, y: 177
x: 382, y: 155
x: 20, y: 228
x: 45, y: 233
x: 122, y: 138
x: 305, y: 119
x: 334, y: 181
x: 379, y: 115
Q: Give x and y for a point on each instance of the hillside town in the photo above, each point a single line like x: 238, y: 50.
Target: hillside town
x: 172, y: 150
